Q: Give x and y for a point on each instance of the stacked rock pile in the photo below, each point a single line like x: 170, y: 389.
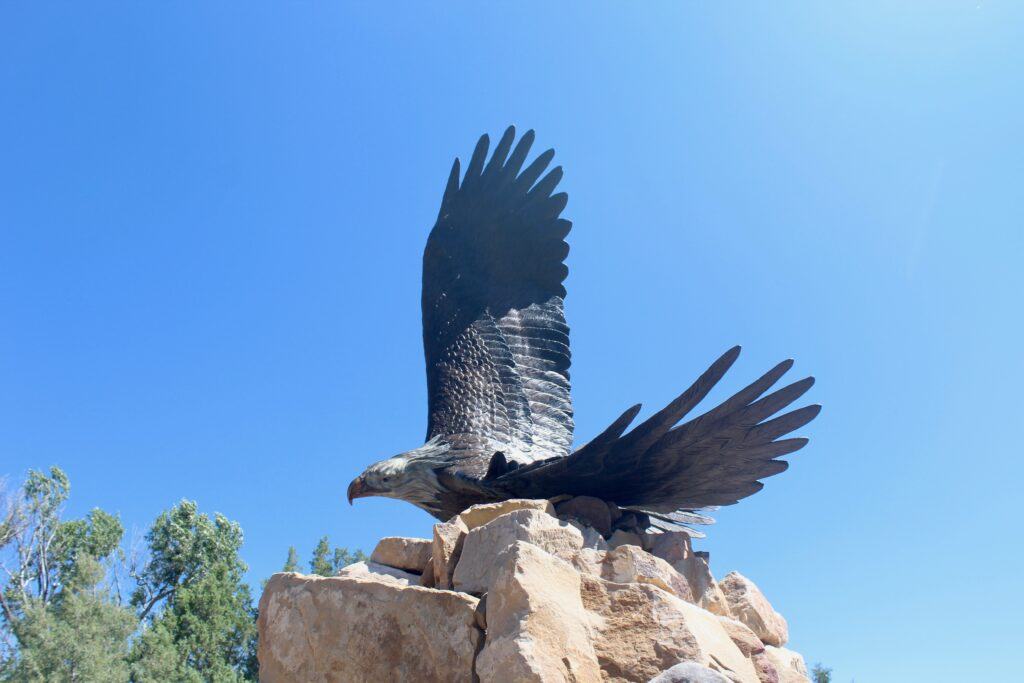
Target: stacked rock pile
x: 526, y: 590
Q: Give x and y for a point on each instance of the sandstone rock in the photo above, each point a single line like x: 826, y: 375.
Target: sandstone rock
x: 588, y: 561
x: 341, y: 629
x: 591, y: 539
x: 671, y: 546
x: 536, y: 626
x: 427, y: 577
x: 745, y: 639
x: 593, y: 512
x: 689, y: 672
x: 748, y: 604
x: 752, y: 647
x: 766, y: 672
x: 640, y: 630
x: 622, y: 537
x: 445, y: 550
x: 373, y: 570
x: 675, y: 548
x: 789, y: 665
x: 410, y: 554
x: 475, y: 569
x: 630, y: 564
x: 478, y: 515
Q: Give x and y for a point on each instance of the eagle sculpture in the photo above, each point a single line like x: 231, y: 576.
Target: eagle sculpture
x: 500, y: 418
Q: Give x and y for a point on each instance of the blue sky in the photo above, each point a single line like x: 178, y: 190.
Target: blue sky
x: 212, y: 215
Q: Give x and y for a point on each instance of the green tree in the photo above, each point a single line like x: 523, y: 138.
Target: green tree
x: 205, y: 629
x: 60, y: 621
x: 292, y: 563
x: 821, y: 674
x: 326, y: 562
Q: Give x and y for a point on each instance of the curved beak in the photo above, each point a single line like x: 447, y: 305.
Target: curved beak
x: 355, y: 489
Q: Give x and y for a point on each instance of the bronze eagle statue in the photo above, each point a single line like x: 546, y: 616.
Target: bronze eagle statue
x: 500, y: 417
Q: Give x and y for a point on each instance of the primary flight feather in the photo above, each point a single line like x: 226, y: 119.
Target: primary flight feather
x: 496, y: 344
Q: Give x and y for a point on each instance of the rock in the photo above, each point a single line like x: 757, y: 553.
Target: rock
x: 622, y: 537
x: 675, y: 548
x: 640, y: 630
x: 373, y: 570
x: 593, y: 512
x: 789, y: 665
x: 445, y: 550
x: 478, y: 515
x: 591, y: 539
x: 588, y: 561
x: 427, y: 577
x: 626, y: 521
x: 410, y: 554
x: 745, y: 639
x: 630, y: 564
x: 347, y: 628
x: 748, y: 604
x: 536, y: 626
x: 752, y: 647
x: 475, y: 569
x: 671, y: 546
x: 689, y: 672
x: 766, y: 671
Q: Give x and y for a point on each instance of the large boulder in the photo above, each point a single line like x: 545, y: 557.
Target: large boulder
x: 478, y: 515
x: 676, y: 548
x: 373, y: 570
x: 592, y: 512
x: 752, y: 647
x: 410, y: 554
x: 630, y: 564
x: 748, y: 604
x: 476, y: 567
x: 689, y: 672
x: 789, y: 665
x: 343, y: 629
x: 536, y: 626
x: 640, y: 630
x: 445, y: 550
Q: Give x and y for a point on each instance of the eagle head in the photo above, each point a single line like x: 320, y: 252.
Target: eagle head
x: 410, y: 476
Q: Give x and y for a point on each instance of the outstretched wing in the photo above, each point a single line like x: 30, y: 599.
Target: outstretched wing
x: 494, y: 333
x: 661, y: 468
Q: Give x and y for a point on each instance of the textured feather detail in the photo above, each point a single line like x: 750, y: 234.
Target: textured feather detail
x: 661, y: 469
x: 494, y: 332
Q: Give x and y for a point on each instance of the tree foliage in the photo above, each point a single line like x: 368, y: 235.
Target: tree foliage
x: 189, y: 614
x: 326, y: 562
x: 189, y: 618
x: 821, y: 674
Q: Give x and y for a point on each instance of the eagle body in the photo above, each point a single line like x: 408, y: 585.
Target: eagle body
x: 496, y: 345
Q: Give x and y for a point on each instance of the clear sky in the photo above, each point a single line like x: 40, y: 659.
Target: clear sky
x: 212, y: 217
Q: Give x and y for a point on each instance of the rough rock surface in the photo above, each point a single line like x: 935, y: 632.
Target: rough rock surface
x: 689, y: 672
x: 343, y: 629
x: 410, y: 554
x: 748, y: 604
x: 373, y: 570
x: 476, y: 566
x: 478, y: 515
x: 557, y: 603
x: 676, y: 548
x: 592, y: 512
x: 536, y: 626
x: 641, y: 630
x: 630, y: 564
x: 448, y: 540
x: 789, y: 665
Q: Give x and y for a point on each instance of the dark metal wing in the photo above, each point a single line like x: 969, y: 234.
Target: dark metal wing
x: 661, y: 467
x: 494, y: 333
